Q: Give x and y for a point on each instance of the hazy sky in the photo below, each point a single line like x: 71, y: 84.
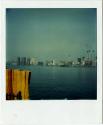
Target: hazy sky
x: 50, y: 33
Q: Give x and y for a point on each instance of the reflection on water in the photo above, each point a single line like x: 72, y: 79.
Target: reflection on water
x: 62, y: 82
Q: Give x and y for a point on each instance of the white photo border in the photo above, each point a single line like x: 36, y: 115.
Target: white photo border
x: 51, y: 112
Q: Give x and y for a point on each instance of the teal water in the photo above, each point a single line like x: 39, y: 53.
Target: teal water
x: 62, y: 82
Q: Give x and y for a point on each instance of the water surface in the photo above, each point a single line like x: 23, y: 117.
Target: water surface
x: 62, y: 82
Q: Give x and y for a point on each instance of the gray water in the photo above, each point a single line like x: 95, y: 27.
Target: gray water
x: 62, y: 82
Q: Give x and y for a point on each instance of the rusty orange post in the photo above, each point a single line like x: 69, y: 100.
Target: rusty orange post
x: 17, y: 84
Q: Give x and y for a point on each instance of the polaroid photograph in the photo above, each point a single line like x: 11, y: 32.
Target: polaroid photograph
x: 58, y: 46
x: 51, y: 61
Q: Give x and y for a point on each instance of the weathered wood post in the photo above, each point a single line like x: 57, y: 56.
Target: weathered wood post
x: 17, y: 84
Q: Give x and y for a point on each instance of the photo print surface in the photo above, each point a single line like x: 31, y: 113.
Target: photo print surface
x: 51, y: 54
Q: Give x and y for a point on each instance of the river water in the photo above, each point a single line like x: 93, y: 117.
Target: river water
x: 62, y: 82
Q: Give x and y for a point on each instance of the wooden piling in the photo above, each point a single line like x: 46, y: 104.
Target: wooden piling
x: 9, y: 83
x: 17, y: 84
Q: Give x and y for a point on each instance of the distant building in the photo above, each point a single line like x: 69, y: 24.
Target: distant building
x: 69, y: 63
x: 88, y: 63
x: 33, y: 61
x: 23, y: 61
x: 74, y: 63
x: 61, y: 63
x: 83, y: 63
x: 28, y: 61
x: 53, y: 62
x: 79, y: 60
x: 40, y: 63
x: 18, y: 61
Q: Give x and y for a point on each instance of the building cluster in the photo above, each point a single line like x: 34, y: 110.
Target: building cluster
x: 79, y: 62
x: 26, y: 61
x: 84, y: 61
x: 23, y: 61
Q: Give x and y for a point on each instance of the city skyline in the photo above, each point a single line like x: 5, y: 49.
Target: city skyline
x: 45, y: 33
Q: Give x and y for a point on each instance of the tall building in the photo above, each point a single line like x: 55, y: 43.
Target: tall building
x: 28, y: 61
x: 18, y: 61
x: 23, y: 60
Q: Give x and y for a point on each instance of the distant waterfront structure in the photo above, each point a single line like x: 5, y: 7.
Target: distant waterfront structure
x: 88, y: 54
x: 51, y: 62
x: 84, y: 61
x: 23, y: 61
x: 74, y: 63
x: 61, y: 63
x: 18, y: 61
x: 28, y: 61
x: 33, y: 61
x: 79, y: 60
x: 40, y: 63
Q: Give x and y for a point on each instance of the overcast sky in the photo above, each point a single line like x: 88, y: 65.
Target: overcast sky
x: 50, y: 33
